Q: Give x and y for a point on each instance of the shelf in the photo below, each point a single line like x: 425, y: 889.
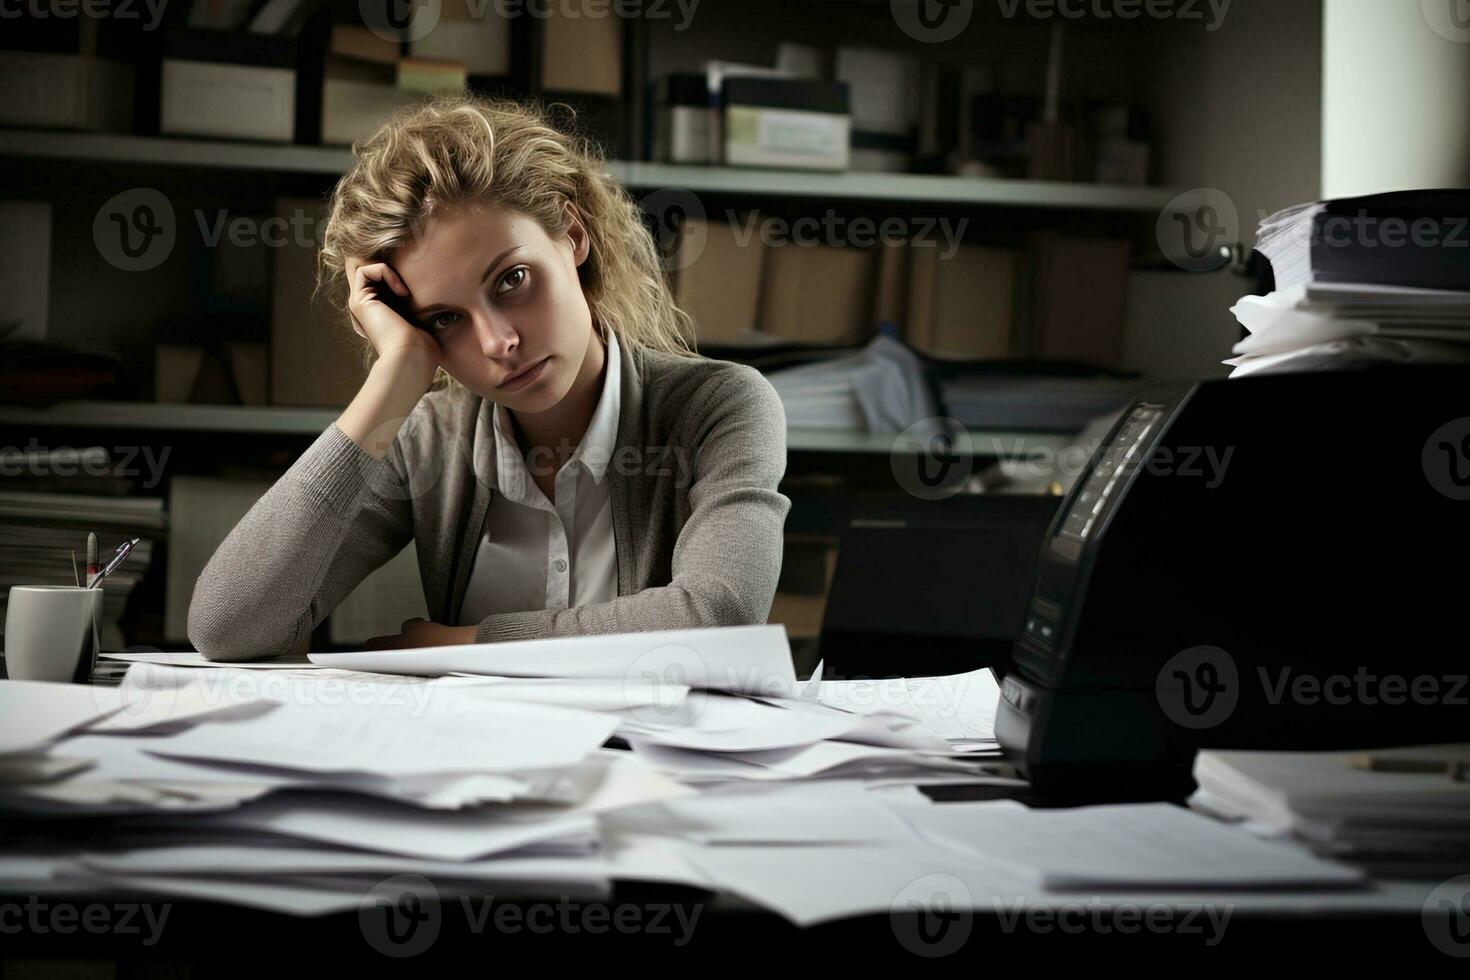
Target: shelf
x: 312, y: 421
x: 163, y: 416
x: 915, y: 188
x: 850, y: 185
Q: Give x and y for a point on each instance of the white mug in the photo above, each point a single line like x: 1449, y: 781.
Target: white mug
x: 51, y: 632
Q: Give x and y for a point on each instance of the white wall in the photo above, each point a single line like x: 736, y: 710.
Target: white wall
x: 1395, y: 95
x: 1238, y: 109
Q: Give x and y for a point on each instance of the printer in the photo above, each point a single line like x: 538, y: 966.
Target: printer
x: 1271, y: 562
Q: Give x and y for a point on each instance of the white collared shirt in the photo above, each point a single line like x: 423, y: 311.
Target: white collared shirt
x: 537, y: 554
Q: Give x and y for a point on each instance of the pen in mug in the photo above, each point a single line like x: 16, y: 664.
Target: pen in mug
x: 123, y: 550
x: 76, y: 575
x: 91, y: 557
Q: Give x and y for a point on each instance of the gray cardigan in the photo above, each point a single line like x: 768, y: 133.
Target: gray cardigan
x: 697, y: 516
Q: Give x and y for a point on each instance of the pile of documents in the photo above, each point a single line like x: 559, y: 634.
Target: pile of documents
x: 1401, y: 812
x: 1320, y: 326
x: 882, y: 388
x: 1359, y: 282
x: 559, y: 767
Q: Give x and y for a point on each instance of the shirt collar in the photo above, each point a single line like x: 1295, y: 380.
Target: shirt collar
x: 594, y: 451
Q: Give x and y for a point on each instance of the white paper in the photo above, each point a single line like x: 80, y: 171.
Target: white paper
x: 35, y: 712
x: 448, y: 732
x: 191, y: 658
x: 385, y: 828
x: 1145, y: 845
x: 959, y: 706
x: 742, y: 659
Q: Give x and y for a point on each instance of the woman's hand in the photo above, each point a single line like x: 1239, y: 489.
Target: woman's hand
x: 418, y: 632
x: 375, y: 290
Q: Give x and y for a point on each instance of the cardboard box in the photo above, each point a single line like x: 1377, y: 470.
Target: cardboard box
x: 215, y: 83
x: 786, y: 122
x: 718, y: 279
x: 66, y: 91
x: 1080, y: 294
x: 316, y: 357
x: 963, y: 307
x: 582, y: 48
x: 429, y: 75
x: 481, y: 43
x: 357, y: 98
x: 819, y: 294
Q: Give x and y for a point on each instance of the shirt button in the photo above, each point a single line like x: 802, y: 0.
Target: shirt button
x: 561, y: 564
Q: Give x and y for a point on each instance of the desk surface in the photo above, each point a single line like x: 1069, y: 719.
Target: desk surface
x: 1082, y: 923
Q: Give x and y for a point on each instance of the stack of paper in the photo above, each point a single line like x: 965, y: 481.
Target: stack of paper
x: 285, y: 779
x: 302, y: 788
x: 1399, y: 812
x: 879, y: 389
x: 1372, y: 280
x: 1312, y: 326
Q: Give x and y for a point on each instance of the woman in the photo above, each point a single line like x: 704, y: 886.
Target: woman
x: 579, y: 470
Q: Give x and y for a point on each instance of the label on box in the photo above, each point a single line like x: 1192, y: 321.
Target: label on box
x: 754, y: 135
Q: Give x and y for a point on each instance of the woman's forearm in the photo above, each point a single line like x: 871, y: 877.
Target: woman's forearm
x: 393, y: 387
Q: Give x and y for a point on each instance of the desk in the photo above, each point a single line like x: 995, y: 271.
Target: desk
x: 650, y: 919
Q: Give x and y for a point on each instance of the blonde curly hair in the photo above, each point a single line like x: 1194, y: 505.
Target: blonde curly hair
x: 458, y: 150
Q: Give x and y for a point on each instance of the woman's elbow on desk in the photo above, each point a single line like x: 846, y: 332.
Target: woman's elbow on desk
x: 223, y: 633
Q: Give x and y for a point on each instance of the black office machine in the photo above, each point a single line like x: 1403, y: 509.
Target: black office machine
x: 1265, y: 562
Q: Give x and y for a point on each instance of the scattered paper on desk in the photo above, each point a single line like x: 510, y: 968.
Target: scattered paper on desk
x: 741, y: 659
x: 189, y: 658
x: 36, y: 712
x: 1142, y: 845
x: 443, y: 732
x: 958, y: 706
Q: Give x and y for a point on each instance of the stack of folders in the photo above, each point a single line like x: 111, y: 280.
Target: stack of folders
x: 1383, y: 279
x: 39, y: 532
x: 881, y: 388
x: 556, y: 767
x: 1401, y: 812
